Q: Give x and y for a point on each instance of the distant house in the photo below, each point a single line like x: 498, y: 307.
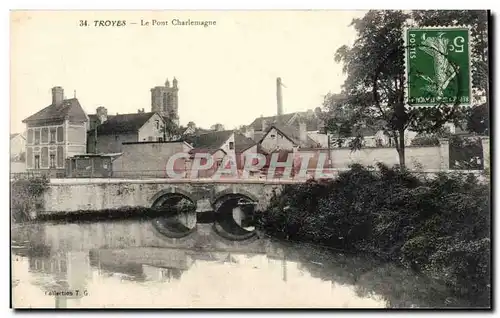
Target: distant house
x: 313, y: 125
x: 17, y: 147
x: 218, y: 144
x: 281, y: 137
x: 55, y: 133
x: 108, y: 136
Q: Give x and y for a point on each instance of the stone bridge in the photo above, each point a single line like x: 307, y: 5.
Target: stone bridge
x: 227, y: 204
x: 93, y: 195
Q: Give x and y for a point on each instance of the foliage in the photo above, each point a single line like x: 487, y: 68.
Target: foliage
x: 26, y: 196
x: 479, y: 120
x: 466, y: 153
x: 425, y: 140
x: 171, y: 131
x: 217, y: 127
x: 437, y: 226
x: 374, y: 90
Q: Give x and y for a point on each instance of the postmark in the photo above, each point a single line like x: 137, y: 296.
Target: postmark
x: 438, y: 66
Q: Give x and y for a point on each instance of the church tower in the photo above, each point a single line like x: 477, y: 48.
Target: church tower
x: 164, y: 100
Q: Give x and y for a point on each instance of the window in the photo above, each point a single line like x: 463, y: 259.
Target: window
x: 37, y: 136
x: 231, y: 145
x: 52, y: 135
x: 116, y: 137
x: 37, y: 161
x: 150, y: 138
x: 157, y: 124
x: 60, y: 134
x: 52, y: 161
x: 30, y: 136
x: 45, y: 135
x: 273, y: 136
x: 160, y: 139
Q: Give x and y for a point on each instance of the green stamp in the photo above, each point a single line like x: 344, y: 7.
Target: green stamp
x: 438, y: 66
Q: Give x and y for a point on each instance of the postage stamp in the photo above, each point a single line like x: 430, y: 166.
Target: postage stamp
x: 438, y: 66
x: 248, y: 159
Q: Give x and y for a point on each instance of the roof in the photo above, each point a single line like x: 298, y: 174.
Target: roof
x: 285, y: 118
x: 205, y: 150
x: 125, y: 123
x: 313, y: 123
x: 69, y: 108
x: 242, y: 143
x: 211, y: 140
x: 15, y: 135
x: 293, y: 134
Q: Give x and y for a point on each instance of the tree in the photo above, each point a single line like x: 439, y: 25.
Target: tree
x: 217, y: 127
x: 171, y: 131
x: 479, y: 120
x: 374, y: 90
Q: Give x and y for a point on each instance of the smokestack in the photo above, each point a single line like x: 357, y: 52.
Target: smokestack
x: 279, y: 96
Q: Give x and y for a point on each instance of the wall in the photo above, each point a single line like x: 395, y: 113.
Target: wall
x: 17, y: 167
x: 428, y: 157
x: 109, y: 143
x: 152, y: 129
x: 230, y: 152
x: 240, y: 157
x: 148, y: 158
x: 76, y: 139
x: 270, y: 143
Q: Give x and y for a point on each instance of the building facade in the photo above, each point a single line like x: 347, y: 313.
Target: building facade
x: 109, y: 136
x: 55, y: 133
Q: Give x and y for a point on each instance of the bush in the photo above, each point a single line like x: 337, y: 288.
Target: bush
x: 26, y: 196
x: 425, y: 140
x: 439, y: 226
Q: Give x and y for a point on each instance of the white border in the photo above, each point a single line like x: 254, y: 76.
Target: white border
x: 406, y: 60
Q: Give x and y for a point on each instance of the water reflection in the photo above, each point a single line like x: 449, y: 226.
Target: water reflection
x: 128, y: 264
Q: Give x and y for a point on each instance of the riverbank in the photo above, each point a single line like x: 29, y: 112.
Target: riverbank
x: 439, y: 227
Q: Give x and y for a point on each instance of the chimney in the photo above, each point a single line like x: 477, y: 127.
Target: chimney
x: 279, y: 96
x: 57, y: 95
x: 302, y: 131
x: 102, y: 114
x: 264, y: 125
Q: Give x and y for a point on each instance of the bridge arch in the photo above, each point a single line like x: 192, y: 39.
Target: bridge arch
x: 180, y: 221
x: 169, y: 191
x: 234, y: 212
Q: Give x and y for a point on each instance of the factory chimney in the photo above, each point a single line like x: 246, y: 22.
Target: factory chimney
x: 279, y: 96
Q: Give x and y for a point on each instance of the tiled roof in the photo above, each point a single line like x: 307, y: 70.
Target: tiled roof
x: 211, y: 140
x: 69, y: 108
x: 242, y: 143
x: 125, y: 123
x: 257, y: 123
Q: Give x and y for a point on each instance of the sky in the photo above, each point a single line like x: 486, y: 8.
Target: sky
x: 226, y: 72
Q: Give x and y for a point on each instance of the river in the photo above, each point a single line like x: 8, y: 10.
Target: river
x: 128, y: 264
